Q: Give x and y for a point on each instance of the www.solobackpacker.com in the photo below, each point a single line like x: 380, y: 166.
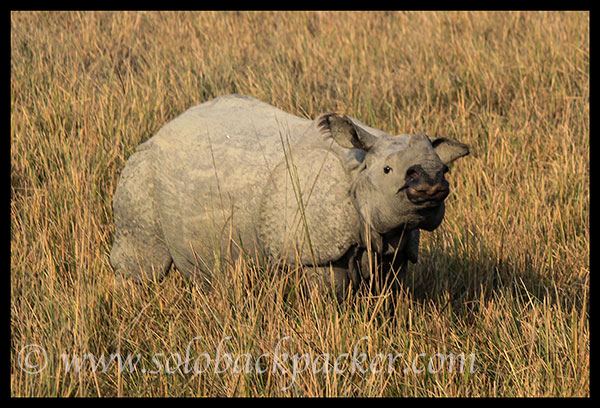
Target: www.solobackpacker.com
x: 33, y: 359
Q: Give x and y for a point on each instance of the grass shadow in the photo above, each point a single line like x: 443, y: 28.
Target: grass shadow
x: 464, y: 283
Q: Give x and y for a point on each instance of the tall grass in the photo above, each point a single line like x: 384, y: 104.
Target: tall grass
x: 506, y: 276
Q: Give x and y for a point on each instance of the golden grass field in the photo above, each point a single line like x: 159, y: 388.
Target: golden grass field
x: 505, y: 278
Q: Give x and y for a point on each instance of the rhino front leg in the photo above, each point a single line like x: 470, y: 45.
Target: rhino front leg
x: 387, y: 270
x: 382, y: 272
x: 393, y: 271
x: 339, y: 277
x: 395, y: 264
x: 331, y: 279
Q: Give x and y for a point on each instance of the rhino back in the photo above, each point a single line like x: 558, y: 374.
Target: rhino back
x: 212, y: 162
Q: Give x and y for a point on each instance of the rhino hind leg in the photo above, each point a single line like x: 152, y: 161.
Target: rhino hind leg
x: 139, y: 257
x: 139, y: 252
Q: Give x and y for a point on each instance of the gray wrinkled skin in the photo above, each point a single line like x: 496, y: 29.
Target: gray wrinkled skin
x: 236, y: 175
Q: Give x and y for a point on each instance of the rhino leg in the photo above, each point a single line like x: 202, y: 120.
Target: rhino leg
x: 332, y: 279
x: 339, y: 277
x: 383, y: 272
x: 393, y: 271
x: 139, y: 251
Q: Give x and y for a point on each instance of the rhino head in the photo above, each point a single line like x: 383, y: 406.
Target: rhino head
x: 400, y: 180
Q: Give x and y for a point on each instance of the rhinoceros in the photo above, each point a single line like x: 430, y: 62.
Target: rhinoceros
x: 235, y: 176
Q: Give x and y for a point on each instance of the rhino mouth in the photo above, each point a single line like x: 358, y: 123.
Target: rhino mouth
x: 428, y: 198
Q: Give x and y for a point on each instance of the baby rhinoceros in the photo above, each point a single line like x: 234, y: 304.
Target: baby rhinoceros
x: 236, y: 176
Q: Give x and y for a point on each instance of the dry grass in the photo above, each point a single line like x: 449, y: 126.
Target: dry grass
x: 505, y: 277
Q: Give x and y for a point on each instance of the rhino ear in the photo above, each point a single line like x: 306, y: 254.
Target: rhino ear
x: 449, y: 149
x: 345, y: 132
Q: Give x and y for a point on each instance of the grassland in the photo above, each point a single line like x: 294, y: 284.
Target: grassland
x: 506, y: 276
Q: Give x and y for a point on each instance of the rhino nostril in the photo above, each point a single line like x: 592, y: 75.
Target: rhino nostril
x: 412, y: 173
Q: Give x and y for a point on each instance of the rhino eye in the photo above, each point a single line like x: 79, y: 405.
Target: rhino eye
x: 387, y: 169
